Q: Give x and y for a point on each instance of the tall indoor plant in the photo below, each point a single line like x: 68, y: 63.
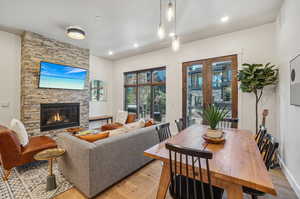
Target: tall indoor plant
x: 254, y: 78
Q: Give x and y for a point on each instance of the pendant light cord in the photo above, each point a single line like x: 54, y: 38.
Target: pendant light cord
x: 175, y: 13
x: 160, y: 7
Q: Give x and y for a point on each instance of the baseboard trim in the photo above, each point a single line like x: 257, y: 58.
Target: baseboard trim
x: 295, y: 186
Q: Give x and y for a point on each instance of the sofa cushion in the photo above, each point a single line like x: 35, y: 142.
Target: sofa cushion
x: 94, y: 137
x: 118, y: 131
x: 18, y: 127
x: 135, y: 125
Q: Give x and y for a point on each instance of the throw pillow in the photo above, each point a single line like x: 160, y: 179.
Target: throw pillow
x: 94, y: 137
x: 130, y: 118
x: 112, y: 126
x: 149, y: 123
x: 18, y: 127
x: 121, y: 117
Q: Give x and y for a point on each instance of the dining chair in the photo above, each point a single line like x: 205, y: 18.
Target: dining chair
x: 163, y: 131
x: 269, y: 148
x: 260, y: 138
x: 183, y: 187
x: 228, y: 123
x: 179, y: 124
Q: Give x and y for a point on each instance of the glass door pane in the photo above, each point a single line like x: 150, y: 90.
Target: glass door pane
x: 194, y: 94
x: 221, y: 85
x: 159, y: 103
x: 130, y: 99
x: 144, y: 102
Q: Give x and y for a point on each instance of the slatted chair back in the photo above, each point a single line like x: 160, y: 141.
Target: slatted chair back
x: 228, y: 123
x: 269, y: 148
x: 163, y: 131
x: 258, y: 134
x: 260, y: 139
x: 179, y: 124
x: 189, y: 188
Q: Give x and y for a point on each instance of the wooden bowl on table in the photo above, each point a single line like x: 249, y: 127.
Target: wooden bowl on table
x: 212, y: 140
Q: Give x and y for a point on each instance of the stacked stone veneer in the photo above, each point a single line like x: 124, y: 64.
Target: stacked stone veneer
x: 36, y: 48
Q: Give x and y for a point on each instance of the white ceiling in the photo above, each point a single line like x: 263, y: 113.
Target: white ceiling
x: 121, y: 23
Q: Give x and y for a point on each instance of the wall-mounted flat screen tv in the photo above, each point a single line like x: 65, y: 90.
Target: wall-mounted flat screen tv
x: 61, y: 76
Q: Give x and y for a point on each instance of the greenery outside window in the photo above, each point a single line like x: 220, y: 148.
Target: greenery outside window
x: 145, y: 93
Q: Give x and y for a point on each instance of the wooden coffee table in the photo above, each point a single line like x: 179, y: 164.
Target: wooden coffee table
x: 50, y: 155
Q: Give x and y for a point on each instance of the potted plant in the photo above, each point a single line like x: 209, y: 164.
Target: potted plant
x: 213, y: 115
x: 254, y: 78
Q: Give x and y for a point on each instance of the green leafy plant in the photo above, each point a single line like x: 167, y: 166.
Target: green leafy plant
x: 213, y: 115
x: 254, y: 78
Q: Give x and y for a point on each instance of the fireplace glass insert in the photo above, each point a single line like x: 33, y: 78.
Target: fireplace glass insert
x: 59, y: 115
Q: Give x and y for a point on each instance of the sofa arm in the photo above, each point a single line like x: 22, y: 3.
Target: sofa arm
x: 76, y: 162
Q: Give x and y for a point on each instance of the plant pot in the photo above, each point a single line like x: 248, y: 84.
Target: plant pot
x: 214, y: 133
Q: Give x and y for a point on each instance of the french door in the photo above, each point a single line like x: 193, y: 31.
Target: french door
x: 209, y: 81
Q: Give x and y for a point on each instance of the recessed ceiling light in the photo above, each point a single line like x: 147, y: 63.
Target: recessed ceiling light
x: 136, y: 45
x: 171, y: 34
x: 110, y: 52
x: 225, y: 19
x: 75, y: 32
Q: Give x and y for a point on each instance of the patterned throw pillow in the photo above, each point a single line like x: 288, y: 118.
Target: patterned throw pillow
x: 121, y: 117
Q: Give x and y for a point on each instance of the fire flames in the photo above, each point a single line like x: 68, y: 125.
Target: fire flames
x: 57, y: 117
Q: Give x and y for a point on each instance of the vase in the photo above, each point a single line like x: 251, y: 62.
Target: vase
x: 214, y: 133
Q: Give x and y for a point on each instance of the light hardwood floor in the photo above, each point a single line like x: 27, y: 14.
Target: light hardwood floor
x: 143, y: 185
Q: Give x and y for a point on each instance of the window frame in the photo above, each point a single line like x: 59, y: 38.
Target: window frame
x: 138, y: 84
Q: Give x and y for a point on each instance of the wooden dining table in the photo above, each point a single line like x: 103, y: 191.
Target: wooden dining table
x: 235, y: 164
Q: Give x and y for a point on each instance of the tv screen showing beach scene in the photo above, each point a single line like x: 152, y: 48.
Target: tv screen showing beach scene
x: 61, y: 76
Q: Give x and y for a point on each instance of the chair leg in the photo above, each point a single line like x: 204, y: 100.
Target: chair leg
x: 253, y: 197
x: 6, y: 174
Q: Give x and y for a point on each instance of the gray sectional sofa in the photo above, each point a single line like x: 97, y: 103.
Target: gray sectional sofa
x: 93, y: 167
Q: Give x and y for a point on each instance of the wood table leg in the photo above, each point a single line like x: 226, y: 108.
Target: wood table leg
x: 234, y: 192
x: 164, y: 182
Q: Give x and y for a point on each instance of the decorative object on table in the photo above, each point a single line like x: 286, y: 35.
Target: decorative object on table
x: 295, y: 81
x: 98, y: 91
x: 214, y: 140
x: 213, y: 115
x: 254, y: 78
x: 29, y: 181
x: 50, y: 155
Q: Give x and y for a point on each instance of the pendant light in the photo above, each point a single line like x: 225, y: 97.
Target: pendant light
x: 170, y: 11
x: 161, y: 30
x: 175, y: 39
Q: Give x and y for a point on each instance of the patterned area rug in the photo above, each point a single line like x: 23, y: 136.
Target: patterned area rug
x: 29, y: 182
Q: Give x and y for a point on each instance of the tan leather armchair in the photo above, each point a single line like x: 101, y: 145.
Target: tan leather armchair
x: 12, y: 154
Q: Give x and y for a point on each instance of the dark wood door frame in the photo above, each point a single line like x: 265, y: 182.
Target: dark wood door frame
x: 207, y: 82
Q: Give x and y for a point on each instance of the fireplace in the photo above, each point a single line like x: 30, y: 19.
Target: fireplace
x: 59, y: 115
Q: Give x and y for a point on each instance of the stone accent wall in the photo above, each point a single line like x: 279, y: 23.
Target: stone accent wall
x: 36, y: 48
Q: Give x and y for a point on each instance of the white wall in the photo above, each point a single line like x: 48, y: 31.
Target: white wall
x: 255, y: 45
x: 10, y: 62
x: 288, y: 38
x: 101, y: 69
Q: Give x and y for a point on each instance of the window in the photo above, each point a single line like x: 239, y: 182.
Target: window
x: 145, y: 93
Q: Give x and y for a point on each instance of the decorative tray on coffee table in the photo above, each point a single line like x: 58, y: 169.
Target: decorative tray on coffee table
x: 212, y: 140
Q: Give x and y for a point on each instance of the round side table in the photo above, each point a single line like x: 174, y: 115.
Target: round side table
x: 50, y: 155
